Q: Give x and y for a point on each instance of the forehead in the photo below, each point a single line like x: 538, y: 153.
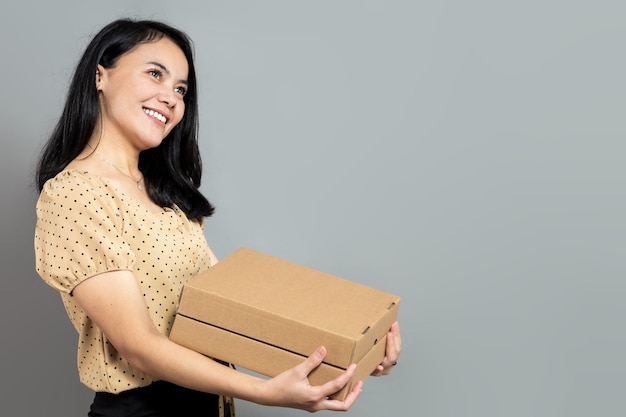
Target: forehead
x: 164, y: 52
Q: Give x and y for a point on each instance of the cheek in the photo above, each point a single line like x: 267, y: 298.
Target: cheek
x: 177, y: 117
x: 179, y: 113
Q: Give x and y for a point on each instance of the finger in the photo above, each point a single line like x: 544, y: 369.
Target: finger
x: 394, y: 343
x: 382, y: 369
x: 391, y: 351
x: 336, y: 405
x: 395, y: 330
x: 353, y: 395
x: 331, y: 387
x: 313, y: 361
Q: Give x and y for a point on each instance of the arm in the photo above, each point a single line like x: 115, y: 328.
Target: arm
x: 115, y: 303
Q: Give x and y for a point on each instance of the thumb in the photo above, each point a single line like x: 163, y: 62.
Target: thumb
x: 314, y: 360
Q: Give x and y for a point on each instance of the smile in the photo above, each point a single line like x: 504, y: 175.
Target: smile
x: 156, y: 115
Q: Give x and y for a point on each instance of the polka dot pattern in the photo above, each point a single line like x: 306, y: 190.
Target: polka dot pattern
x: 86, y: 227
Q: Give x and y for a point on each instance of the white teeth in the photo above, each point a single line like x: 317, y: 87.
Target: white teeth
x: 156, y: 115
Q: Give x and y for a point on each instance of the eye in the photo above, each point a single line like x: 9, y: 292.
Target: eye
x: 181, y: 90
x: 156, y: 73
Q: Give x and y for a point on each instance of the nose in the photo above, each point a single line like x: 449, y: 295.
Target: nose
x: 167, y: 97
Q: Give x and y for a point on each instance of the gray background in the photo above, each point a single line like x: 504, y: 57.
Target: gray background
x: 466, y: 155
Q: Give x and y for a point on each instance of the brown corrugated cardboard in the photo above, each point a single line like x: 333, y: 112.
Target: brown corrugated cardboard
x: 267, y: 314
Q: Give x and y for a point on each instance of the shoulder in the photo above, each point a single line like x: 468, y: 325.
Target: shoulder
x: 74, y: 182
x: 73, y: 188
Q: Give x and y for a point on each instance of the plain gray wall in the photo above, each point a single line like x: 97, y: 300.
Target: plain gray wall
x: 466, y: 155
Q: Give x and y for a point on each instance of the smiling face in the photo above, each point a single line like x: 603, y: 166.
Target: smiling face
x: 141, y: 97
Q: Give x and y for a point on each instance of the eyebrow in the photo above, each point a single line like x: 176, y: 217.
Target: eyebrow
x: 164, y: 68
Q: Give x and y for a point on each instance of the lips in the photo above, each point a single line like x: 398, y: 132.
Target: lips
x: 161, y: 118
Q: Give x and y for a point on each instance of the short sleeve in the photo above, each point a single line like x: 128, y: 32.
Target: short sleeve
x: 78, y: 232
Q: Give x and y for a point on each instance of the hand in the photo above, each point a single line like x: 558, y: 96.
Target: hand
x: 392, y: 351
x: 292, y: 389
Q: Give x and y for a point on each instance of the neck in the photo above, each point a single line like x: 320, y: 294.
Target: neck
x: 137, y: 178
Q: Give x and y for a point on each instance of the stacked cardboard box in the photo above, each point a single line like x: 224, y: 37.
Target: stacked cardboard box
x: 267, y: 314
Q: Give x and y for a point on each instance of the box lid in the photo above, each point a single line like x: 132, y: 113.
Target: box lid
x: 290, y: 306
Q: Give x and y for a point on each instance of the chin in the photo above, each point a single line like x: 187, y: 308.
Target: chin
x: 153, y: 143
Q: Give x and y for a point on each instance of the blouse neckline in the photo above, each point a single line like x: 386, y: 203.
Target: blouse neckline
x: 169, y: 211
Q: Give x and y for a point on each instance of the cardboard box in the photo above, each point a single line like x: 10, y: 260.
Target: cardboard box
x: 267, y: 314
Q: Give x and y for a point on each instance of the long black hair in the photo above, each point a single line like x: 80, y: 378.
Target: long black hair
x: 172, y: 171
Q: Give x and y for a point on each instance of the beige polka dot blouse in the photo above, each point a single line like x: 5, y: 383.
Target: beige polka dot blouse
x: 86, y: 227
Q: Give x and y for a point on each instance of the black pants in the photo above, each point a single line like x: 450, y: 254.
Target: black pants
x: 160, y: 399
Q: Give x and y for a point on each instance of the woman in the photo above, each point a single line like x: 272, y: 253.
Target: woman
x: 120, y: 230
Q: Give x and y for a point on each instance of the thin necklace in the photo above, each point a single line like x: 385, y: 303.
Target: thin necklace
x: 138, y: 182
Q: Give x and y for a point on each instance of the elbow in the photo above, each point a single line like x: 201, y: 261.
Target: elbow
x: 141, y: 352
x: 138, y: 362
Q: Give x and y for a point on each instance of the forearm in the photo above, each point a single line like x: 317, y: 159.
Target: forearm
x: 163, y: 359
